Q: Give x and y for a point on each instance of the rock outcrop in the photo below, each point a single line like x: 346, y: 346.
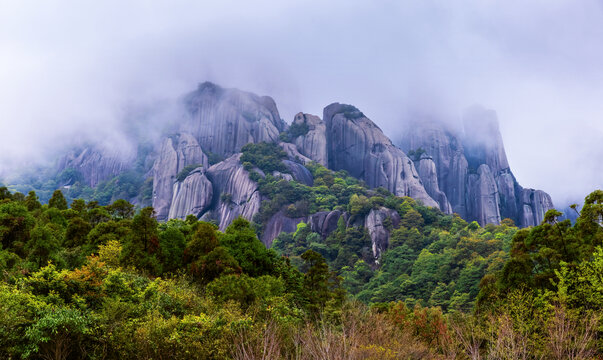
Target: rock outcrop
x: 483, y: 196
x: 377, y: 229
x: 299, y: 172
x: 174, y: 155
x: 235, y: 194
x: 277, y: 224
x: 293, y: 154
x: 472, y: 170
x: 427, y: 171
x: 193, y: 196
x: 447, y: 153
x: 535, y: 203
x: 313, y: 144
x: 358, y: 146
x: 95, y: 165
x: 223, y: 120
x: 325, y: 222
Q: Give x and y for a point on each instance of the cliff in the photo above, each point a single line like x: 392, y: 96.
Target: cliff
x: 472, y: 170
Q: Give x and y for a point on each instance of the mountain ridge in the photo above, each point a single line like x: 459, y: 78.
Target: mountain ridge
x: 196, y: 168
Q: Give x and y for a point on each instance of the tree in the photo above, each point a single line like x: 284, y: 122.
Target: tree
x: 121, y: 209
x: 58, y: 200
x: 77, y: 231
x: 172, y: 244
x: 412, y: 219
x: 144, y: 229
x: 359, y: 205
x: 242, y: 243
x: 32, y: 202
x: 320, y: 284
x: 15, y: 224
x: 41, y: 245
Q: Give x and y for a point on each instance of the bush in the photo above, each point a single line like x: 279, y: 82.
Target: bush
x: 186, y: 171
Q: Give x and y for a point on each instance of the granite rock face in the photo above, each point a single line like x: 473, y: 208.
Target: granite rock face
x: 427, y: 171
x: 473, y: 171
x: 535, y: 204
x: 447, y: 153
x: 223, y: 120
x: 95, y: 165
x: 358, y: 146
x: 277, y: 224
x: 299, y: 172
x: 325, y: 222
x: 462, y: 170
x: 293, y: 154
x: 235, y: 194
x: 313, y: 144
x: 193, y: 196
x: 483, y: 196
x: 175, y: 154
x: 378, y: 231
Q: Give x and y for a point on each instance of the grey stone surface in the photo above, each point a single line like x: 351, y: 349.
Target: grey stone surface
x: 358, y: 146
x: 193, y: 196
x: 234, y: 193
x: 95, y: 164
x: 427, y: 171
x: 314, y: 144
x: 223, y: 120
x: 473, y: 171
x: 379, y: 233
x: 175, y: 153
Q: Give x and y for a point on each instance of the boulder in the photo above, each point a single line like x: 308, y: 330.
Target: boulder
x: 277, y: 224
x: 293, y: 154
x: 299, y: 172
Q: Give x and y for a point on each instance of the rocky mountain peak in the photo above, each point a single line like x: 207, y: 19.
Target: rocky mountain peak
x: 483, y: 140
x: 472, y: 170
x: 357, y: 145
x: 224, y: 120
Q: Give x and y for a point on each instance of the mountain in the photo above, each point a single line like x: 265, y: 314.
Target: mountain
x: 471, y: 170
x: 197, y: 168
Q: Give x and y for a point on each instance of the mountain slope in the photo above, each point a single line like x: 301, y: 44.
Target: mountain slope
x: 196, y: 169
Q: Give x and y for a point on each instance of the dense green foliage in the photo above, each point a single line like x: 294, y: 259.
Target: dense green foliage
x: 265, y: 156
x: 83, y: 280
x: 103, y: 281
x: 186, y: 171
x: 432, y: 259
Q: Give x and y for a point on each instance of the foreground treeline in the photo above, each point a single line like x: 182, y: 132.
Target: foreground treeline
x: 109, y: 282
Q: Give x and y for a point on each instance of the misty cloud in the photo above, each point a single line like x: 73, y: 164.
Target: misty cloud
x: 71, y: 71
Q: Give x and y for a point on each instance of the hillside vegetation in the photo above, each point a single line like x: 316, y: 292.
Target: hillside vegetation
x: 90, y: 281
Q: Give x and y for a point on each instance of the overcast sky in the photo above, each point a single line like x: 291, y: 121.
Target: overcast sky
x: 68, y: 69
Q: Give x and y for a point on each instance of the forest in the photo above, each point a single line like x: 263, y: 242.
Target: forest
x: 84, y: 280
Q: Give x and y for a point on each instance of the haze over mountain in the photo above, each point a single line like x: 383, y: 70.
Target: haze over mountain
x: 227, y: 153
x: 73, y: 71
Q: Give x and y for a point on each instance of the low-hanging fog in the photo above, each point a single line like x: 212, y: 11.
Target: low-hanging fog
x: 69, y: 70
